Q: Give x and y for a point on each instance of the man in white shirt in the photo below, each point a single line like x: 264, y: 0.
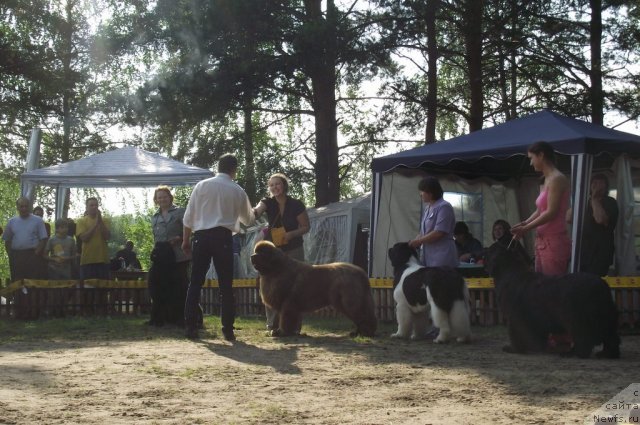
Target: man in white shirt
x: 215, y: 210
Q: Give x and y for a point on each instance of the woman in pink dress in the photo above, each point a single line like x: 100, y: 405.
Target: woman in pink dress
x: 552, y: 245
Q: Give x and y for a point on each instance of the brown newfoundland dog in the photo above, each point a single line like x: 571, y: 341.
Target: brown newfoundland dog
x: 292, y: 287
x: 579, y: 304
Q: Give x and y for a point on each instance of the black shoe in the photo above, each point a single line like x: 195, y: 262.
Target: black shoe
x: 192, y: 333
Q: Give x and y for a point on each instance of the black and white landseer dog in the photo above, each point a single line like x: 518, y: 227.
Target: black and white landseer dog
x: 418, y: 289
x: 579, y: 304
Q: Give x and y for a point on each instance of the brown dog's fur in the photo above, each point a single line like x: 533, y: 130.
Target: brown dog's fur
x: 292, y: 287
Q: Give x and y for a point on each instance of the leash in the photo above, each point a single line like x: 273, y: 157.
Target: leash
x: 512, y: 240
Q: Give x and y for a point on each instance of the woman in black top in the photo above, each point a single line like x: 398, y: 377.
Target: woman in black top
x: 285, y: 212
x: 501, y: 232
x: 288, y: 221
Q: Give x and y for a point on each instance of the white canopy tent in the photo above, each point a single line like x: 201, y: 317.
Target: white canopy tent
x: 125, y: 167
x: 334, y: 228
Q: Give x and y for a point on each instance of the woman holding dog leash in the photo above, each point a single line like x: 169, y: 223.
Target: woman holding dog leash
x: 436, y: 227
x: 552, y: 245
x: 288, y: 221
x: 436, y: 231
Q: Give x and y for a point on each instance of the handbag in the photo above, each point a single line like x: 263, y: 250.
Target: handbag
x: 277, y: 233
x: 277, y: 236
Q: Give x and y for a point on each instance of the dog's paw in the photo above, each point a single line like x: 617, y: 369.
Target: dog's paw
x: 464, y: 339
x: 441, y: 340
x: 397, y: 335
x: 275, y: 333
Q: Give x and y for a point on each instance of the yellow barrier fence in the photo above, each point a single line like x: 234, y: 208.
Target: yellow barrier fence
x: 376, y: 282
x: 58, y: 298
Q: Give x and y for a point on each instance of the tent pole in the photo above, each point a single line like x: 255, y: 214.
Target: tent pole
x: 581, y: 166
x: 376, y: 187
x: 33, y: 162
x: 61, y: 196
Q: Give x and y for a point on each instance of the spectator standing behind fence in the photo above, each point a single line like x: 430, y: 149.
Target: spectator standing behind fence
x: 215, y: 210
x: 93, y: 231
x: 553, y: 247
x: 24, y: 238
x: 40, y: 213
x: 60, y: 252
x: 168, y: 227
x: 599, y: 224
x: 288, y: 221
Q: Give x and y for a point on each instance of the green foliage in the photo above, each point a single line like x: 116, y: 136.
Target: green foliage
x: 185, y: 75
x: 122, y: 328
x: 136, y: 228
x: 9, y: 193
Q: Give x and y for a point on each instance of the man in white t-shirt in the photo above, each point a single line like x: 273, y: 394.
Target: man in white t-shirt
x: 215, y: 210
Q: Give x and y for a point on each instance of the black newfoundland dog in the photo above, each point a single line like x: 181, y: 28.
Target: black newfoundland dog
x: 167, y: 300
x: 579, y: 304
x: 292, y: 287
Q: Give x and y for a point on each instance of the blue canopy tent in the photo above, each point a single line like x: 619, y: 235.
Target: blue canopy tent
x: 499, y: 153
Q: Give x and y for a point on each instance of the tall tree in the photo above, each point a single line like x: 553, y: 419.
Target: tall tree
x: 50, y: 80
x: 256, y: 55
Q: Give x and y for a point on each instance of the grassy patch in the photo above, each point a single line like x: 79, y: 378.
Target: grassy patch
x: 250, y: 329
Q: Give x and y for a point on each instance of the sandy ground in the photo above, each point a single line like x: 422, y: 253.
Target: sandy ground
x: 153, y: 376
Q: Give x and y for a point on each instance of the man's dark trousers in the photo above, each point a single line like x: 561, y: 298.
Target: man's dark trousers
x: 213, y: 244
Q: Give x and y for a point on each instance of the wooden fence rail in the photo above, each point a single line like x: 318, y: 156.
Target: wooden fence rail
x: 111, y: 298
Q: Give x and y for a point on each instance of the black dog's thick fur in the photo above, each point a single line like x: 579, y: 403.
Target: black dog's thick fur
x: 579, y: 304
x: 167, y: 300
x: 292, y: 287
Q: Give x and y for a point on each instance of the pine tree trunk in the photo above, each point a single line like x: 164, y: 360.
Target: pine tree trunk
x: 473, y: 45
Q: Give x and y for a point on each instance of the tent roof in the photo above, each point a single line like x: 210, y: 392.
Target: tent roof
x: 342, y: 207
x: 127, y: 166
x: 567, y: 135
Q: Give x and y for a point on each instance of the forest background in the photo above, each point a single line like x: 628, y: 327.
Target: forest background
x: 311, y: 88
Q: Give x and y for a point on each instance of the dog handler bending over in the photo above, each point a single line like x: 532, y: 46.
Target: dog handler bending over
x: 216, y: 208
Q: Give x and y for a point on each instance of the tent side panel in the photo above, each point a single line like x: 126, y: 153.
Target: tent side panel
x: 398, y: 218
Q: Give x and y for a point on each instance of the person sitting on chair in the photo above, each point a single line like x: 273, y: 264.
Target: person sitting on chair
x: 129, y: 256
x: 469, y: 248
